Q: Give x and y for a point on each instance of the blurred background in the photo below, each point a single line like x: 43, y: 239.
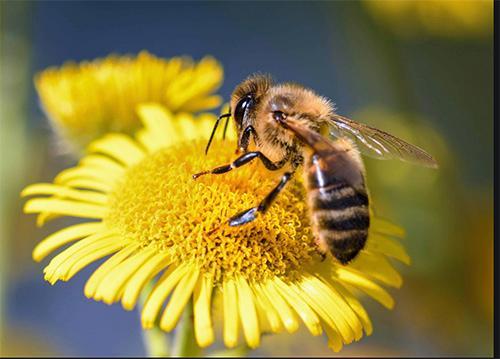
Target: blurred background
x: 423, y: 70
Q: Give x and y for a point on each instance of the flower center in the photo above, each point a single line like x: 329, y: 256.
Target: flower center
x: 159, y: 204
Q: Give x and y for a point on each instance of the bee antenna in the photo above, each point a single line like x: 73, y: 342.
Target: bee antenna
x: 225, y: 127
x: 225, y: 115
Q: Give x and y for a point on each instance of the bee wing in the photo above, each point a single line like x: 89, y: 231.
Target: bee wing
x: 316, y: 141
x: 379, y: 144
x: 333, y: 157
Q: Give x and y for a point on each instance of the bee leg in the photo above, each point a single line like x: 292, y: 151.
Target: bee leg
x: 243, y: 160
x: 251, y: 213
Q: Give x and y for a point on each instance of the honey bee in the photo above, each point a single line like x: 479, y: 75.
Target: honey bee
x: 292, y: 126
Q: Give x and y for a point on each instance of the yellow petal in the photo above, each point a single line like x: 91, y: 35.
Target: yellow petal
x: 139, y: 279
x: 70, y: 251
x: 44, y: 217
x: 178, y: 301
x: 377, y: 267
x: 343, y: 307
x: 91, y: 257
x: 65, y: 192
x: 96, y: 277
x: 149, y: 141
x: 208, y: 102
x: 89, y: 184
x: 307, y: 315
x: 355, y: 305
x: 103, y: 163
x: 65, y: 207
x: 287, y: 315
x: 113, y: 282
x: 61, y: 270
x: 388, y: 247
x: 272, y: 316
x: 230, y: 303
x: 160, y: 292
x: 369, y: 287
x: 247, y: 313
x: 90, y: 173
x: 64, y: 236
x: 383, y: 226
x: 203, y: 328
x: 334, y: 339
x: 264, y: 325
x: 320, y: 301
x: 158, y: 121
x: 118, y: 146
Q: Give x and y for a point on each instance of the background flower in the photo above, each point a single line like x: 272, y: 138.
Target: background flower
x: 85, y: 100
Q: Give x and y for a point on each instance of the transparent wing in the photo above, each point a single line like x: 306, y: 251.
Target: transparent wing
x: 379, y: 144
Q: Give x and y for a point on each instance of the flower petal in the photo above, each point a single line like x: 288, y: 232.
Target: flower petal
x: 103, y: 163
x: 388, y: 247
x: 65, y: 192
x: 85, y: 172
x: 230, y: 303
x: 89, y: 184
x: 96, y: 277
x: 377, y: 267
x: 179, y: 299
x: 272, y: 316
x: 354, y: 304
x: 115, y: 280
x: 65, y: 207
x: 287, y: 315
x: 64, y: 236
x: 369, y: 287
x: 118, y: 146
x: 203, y: 328
x: 320, y: 300
x: 91, y: 257
x: 160, y: 292
x: 307, y: 315
x: 140, y: 278
x: 384, y: 226
x: 248, y: 315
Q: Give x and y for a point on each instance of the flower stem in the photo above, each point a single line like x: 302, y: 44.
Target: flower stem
x: 184, y: 343
x: 156, y: 343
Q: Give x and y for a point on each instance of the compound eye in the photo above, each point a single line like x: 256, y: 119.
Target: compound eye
x: 241, y: 108
x: 279, y: 116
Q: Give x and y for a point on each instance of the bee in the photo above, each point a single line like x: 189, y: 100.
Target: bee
x: 291, y: 126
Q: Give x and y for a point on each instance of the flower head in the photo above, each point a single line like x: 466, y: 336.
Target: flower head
x: 157, y: 224
x: 85, y: 100
x: 457, y: 18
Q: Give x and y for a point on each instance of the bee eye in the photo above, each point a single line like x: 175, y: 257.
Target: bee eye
x: 279, y: 116
x: 242, y: 107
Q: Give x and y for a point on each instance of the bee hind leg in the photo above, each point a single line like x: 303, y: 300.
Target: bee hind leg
x: 250, y: 214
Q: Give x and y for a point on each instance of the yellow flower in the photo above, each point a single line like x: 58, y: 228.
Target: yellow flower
x: 85, y: 100
x: 146, y: 212
x: 452, y: 18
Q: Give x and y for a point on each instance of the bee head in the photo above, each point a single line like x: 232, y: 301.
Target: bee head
x: 244, y: 101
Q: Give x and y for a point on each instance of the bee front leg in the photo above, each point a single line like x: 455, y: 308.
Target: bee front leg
x: 251, y: 213
x: 243, y: 160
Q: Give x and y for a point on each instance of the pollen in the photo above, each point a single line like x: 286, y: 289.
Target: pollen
x: 190, y: 222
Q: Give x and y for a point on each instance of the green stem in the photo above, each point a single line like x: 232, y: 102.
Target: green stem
x: 184, y: 343
x: 240, y: 352
x: 156, y: 343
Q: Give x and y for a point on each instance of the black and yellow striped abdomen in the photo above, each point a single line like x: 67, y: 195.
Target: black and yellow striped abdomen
x: 339, y: 211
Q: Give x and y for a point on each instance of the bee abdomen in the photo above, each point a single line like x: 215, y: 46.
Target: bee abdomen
x: 342, y: 219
